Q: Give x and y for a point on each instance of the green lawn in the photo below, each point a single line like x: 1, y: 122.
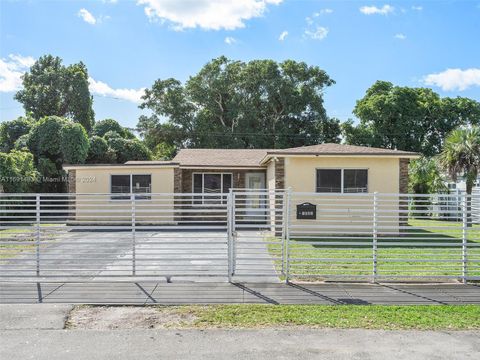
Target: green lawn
x: 19, y: 240
x: 426, y: 317
x: 415, y: 259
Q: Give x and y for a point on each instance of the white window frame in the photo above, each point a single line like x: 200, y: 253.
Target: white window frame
x: 342, y: 177
x: 194, y: 200
x: 112, y: 197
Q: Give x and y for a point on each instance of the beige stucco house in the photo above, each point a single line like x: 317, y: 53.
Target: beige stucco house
x: 330, y: 169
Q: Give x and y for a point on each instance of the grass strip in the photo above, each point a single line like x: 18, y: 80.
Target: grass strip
x: 417, y: 317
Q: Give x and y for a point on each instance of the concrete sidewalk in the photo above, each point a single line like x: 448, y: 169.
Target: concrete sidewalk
x: 236, y: 293
x: 238, y: 344
x: 38, y: 332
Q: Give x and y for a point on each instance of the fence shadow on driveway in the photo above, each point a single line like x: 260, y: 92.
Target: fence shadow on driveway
x: 162, y: 293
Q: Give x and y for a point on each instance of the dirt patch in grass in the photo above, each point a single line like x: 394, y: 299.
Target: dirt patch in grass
x: 248, y: 316
x: 127, y: 317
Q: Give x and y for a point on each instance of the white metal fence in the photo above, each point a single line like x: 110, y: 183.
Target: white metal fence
x: 245, y: 235
x: 384, y: 236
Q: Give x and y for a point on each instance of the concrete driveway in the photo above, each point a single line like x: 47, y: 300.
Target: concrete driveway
x: 175, y: 255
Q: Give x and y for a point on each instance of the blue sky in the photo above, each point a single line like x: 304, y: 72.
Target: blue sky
x: 127, y: 45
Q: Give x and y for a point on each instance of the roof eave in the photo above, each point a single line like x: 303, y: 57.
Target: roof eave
x: 268, y: 156
x: 87, y: 166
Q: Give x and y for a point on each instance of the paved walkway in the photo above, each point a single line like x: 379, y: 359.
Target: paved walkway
x: 226, y: 293
x: 238, y: 344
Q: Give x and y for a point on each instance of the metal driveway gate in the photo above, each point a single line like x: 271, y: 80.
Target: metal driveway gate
x: 258, y: 234
x: 106, y: 236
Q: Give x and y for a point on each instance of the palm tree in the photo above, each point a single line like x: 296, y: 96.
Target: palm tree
x: 424, y: 178
x: 461, y: 155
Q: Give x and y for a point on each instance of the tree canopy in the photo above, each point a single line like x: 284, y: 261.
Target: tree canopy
x: 405, y: 118
x: 11, y: 131
x: 50, y: 88
x: 425, y: 177
x: 235, y: 104
x: 461, y: 155
x: 103, y: 126
x: 18, y: 173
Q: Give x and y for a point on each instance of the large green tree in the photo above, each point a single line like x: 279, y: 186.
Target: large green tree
x: 11, y: 131
x: 17, y: 171
x: 54, y: 141
x: 405, y: 118
x: 103, y: 126
x: 51, y: 88
x: 74, y: 144
x: 234, y: 104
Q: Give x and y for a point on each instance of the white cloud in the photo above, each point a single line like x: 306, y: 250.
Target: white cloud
x: 103, y: 89
x: 417, y: 8
x: 11, y: 70
x: 13, y: 67
x: 323, y: 11
x: 400, y: 36
x: 205, y: 14
x: 454, y: 79
x: 371, y: 10
x: 283, y: 35
x: 87, y: 16
x: 319, y: 33
x: 230, y: 40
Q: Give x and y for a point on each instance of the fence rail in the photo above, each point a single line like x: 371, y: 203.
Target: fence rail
x: 254, y: 234
x: 385, y: 236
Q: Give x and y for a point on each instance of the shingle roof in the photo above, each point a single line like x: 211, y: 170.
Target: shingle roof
x: 254, y: 157
x: 150, y: 162
x: 220, y: 157
x: 338, y: 149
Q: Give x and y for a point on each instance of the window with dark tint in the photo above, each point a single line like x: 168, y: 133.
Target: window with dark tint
x: 329, y: 180
x: 198, y: 183
x: 212, y: 183
x: 209, y: 183
x: 227, y: 182
x: 355, y: 180
x: 141, y: 184
x: 120, y: 184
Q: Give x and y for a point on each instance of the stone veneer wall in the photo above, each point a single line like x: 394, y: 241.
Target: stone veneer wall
x: 177, y: 180
x: 72, y: 182
x: 403, y: 189
x: 279, y: 173
x: 403, y: 176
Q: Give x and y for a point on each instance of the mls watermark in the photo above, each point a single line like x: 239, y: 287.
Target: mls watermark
x: 47, y: 179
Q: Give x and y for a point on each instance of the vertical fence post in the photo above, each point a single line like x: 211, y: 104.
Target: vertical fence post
x: 284, y: 226
x: 132, y: 200
x: 375, y: 235
x: 464, y: 238
x: 37, y: 223
x: 230, y: 234
x: 288, y: 194
x: 234, y: 234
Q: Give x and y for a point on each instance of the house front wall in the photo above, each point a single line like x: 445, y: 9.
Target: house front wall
x: 93, y: 180
x: 383, y: 173
x: 340, y: 212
